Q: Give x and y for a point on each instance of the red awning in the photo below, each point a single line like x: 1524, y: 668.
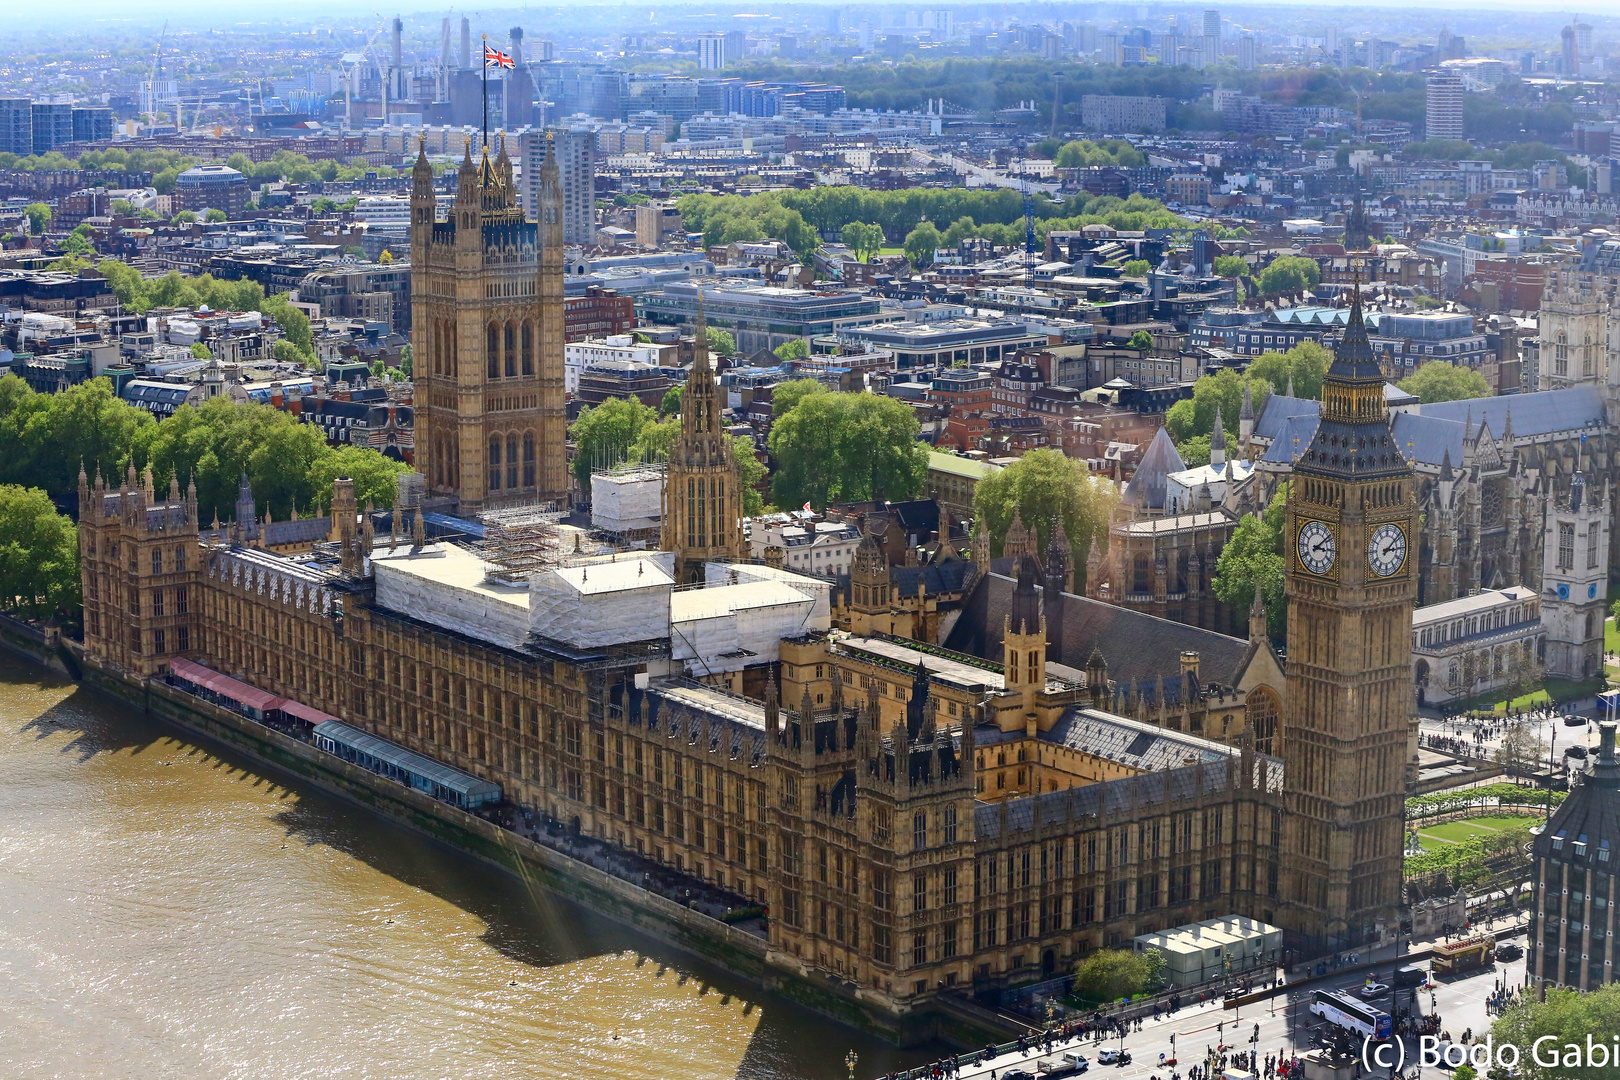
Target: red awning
x: 225, y: 686
x: 305, y: 713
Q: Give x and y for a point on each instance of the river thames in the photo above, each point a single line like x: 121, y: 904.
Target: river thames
x: 170, y: 911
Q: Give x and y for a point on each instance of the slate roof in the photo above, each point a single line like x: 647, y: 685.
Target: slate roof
x: 1533, y: 414
x: 1147, y: 486
x: 1425, y: 436
x: 1137, y: 646
x: 1590, y: 815
x: 948, y: 577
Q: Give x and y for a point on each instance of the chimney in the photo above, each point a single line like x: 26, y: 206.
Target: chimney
x: 1189, y: 663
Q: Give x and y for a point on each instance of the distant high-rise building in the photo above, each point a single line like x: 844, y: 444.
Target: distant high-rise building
x: 53, y: 126
x: 711, y: 52
x: 1212, y: 22
x: 16, y: 126
x: 1443, y: 119
x: 576, y: 165
x: 736, y: 46
x: 93, y: 124
x: 1245, y: 52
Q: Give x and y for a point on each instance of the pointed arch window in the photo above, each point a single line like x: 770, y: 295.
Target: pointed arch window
x: 492, y: 347
x: 528, y: 348
x: 495, y: 463
x: 511, y: 350
x: 528, y: 455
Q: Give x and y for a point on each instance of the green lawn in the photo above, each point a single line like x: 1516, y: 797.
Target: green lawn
x: 1434, y: 836
x: 1554, y: 690
x: 1611, y: 636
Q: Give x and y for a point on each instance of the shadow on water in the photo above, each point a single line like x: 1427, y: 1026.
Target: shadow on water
x: 529, y: 925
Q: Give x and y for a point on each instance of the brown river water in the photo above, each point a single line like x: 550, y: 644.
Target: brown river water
x: 171, y: 911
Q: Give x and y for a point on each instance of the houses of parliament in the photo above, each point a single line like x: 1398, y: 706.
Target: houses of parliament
x: 918, y: 818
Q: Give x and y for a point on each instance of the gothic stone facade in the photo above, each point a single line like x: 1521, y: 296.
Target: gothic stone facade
x: 862, y: 824
x: 486, y: 300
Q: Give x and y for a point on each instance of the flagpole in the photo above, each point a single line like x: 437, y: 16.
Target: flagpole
x: 486, y: 91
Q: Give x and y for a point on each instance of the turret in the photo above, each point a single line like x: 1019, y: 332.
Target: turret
x: 1217, y: 439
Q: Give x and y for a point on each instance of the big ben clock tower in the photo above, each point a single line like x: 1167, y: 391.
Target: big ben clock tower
x: 1352, y: 533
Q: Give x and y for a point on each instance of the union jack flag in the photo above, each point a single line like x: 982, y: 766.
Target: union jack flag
x: 494, y: 58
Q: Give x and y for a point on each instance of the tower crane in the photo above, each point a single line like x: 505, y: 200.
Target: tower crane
x: 149, y: 98
x: 354, y: 73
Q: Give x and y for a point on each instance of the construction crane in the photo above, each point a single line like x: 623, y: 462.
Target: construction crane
x: 149, y: 97
x: 354, y: 73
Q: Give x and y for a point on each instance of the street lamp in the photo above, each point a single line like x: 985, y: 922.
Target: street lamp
x: 849, y: 1061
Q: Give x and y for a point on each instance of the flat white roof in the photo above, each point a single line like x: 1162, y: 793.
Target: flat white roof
x: 447, y: 564
x: 719, y: 601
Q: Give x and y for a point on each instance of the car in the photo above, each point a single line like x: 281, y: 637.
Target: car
x: 1509, y: 950
x: 1576, y: 751
x: 1571, y: 720
x: 1018, y: 1074
x: 1107, y: 1056
x: 1373, y: 989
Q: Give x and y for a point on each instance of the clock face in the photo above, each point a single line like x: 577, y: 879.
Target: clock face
x: 1317, y: 548
x: 1386, y: 551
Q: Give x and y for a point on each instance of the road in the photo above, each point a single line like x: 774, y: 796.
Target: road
x: 1283, y: 1025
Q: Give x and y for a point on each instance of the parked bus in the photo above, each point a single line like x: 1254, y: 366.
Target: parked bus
x: 1468, y: 954
x: 1350, y: 1014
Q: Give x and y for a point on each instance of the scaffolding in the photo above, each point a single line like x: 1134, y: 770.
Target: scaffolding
x: 520, y: 540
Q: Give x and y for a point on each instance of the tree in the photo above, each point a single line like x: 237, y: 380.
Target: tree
x: 1110, y: 974
x: 671, y: 405
x: 214, y: 215
x: 386, y: 257
x: 1289, y: 274
x: 797, y: 349
x: 1519, y: 751
x: 184, y: 217
x: 788, y: 394
x: 921, y: 244
x: 201, y: 351
x: 375, y: 476
x: 44, y: 437
x: 847, y: 448
x: 1135, y: 268
x: 863, y: 239
x: 38, y: 215
x: 294, y: 323
x: 407, y: 360
x: 750, y: 472
x: 321, y: 207
x: 720, y: 342
x: 1441, y: 381
x: 1187, y: 418
x: 39, y: 554
x: 605, y: 435
x: 1305, y: 365
x: 1045, y: 486
x: 1253, y: 559
x: 1231, y: 266
x: 1141, y: 340
x: 1567, y: 1019
x: 288, y: 353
